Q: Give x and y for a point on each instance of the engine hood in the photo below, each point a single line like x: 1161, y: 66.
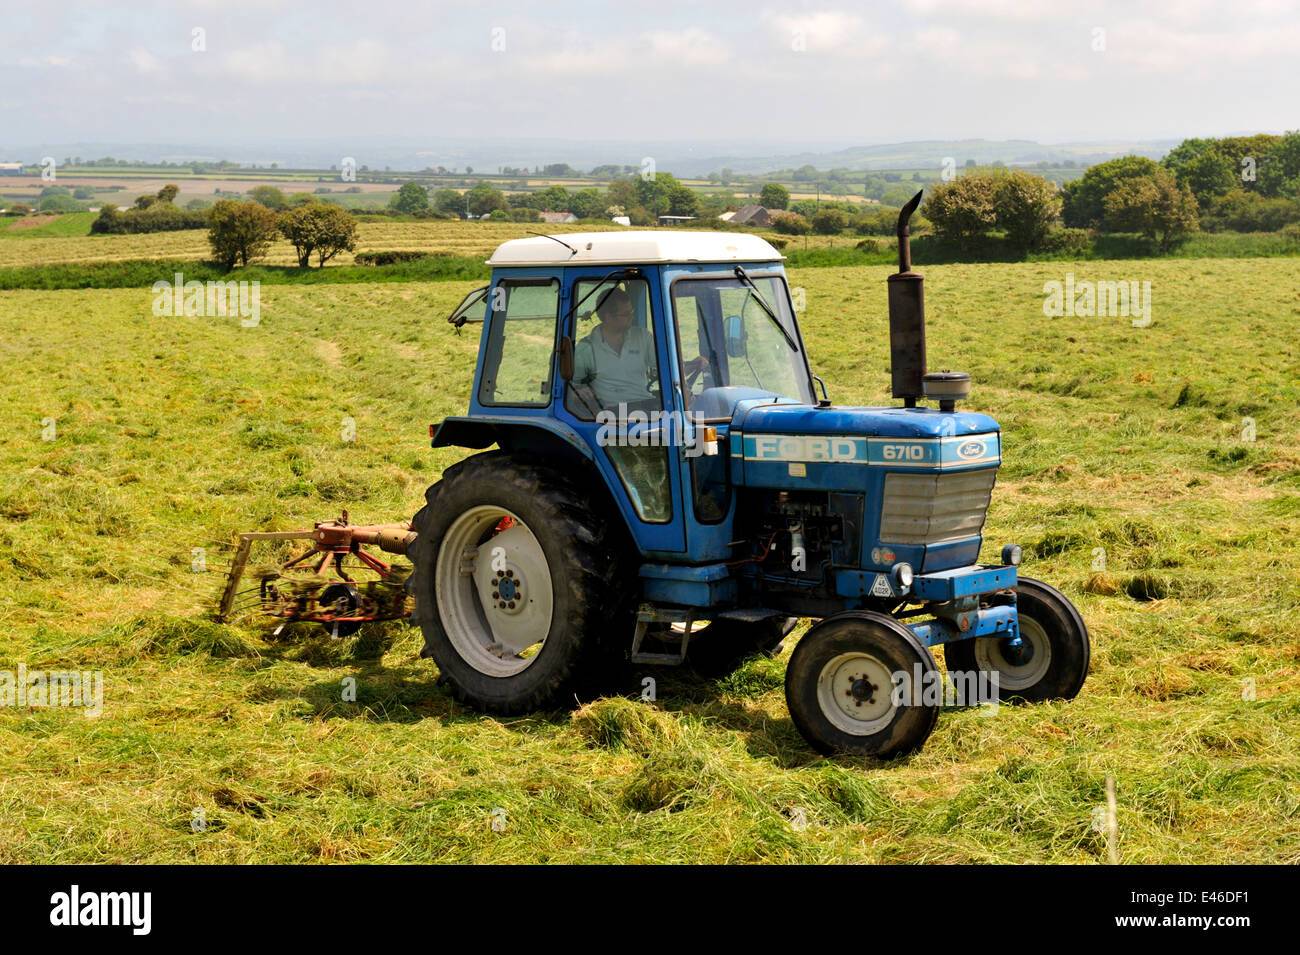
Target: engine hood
x: 787, y: 445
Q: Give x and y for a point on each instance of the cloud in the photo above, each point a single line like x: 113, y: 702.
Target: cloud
x: 145, y: 62
x: 817, y: 32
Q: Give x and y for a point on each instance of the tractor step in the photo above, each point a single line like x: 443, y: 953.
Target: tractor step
x: 649, y: 614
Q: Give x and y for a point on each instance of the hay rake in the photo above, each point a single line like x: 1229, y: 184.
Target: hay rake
x: 301, y: 589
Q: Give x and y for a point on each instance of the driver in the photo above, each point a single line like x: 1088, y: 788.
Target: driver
x: 617, y: 359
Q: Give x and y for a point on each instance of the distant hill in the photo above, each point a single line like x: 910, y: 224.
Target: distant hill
x: 680, y: 158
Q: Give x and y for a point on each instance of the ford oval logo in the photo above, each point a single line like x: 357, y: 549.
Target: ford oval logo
x: 971, y: 449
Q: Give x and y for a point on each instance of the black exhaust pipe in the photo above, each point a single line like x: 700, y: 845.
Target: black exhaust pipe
x: 907, y: 317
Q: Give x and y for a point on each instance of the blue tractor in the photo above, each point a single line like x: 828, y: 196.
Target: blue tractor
x: 669, y: 485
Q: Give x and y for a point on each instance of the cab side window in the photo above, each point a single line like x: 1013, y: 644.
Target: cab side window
x: 614, y: 357
x: 520, y: 349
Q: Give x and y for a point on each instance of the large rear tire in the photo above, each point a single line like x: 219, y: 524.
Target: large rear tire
x: 517, y: 577
x: 1052, y: 661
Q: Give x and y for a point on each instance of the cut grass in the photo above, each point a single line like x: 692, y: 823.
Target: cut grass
x: 173, y: 434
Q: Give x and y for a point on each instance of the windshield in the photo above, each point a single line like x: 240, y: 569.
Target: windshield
x: 730, y: 346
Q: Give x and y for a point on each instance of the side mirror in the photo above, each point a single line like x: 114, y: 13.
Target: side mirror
x: 566, y: 358
x: 733, y: 330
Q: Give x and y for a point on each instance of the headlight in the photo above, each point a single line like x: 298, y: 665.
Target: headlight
x: 1011, y: 555
x: 902, y: 574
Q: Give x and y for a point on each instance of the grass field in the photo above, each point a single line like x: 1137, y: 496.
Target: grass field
x: 173, y: 434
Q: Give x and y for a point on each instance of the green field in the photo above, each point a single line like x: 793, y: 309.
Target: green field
x: 172, y: 434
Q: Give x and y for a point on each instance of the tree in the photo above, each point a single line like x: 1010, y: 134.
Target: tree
x: 683, y: 201
x: 484, y: 200
x: 321, y: 228
x: 623, y: 193
x: 1209, y: 175
x: 168, y: 193
x: 240, y: 231
x: 410, y: 198
x: 1084, y: 198
x: 1280, y: 175
x: 774, y: 196
x: 963, y: 208
x: 659, y: 193
x: 1154, y: 205
x: 269, y: 196
x: 586, y: 203
x: 551, y: 199
x: 1025, y: 207
x: 449, y: 202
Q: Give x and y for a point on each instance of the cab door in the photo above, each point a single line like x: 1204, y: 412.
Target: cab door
x: 628, y: 426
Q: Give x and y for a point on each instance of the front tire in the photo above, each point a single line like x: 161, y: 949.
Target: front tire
x: 846, y: 691
x: 516, y: 580
x: 1051, y: 663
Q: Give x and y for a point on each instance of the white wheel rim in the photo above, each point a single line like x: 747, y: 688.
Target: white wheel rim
x: 849, y: 712
x: 495, y: 605
x: 989, y: 658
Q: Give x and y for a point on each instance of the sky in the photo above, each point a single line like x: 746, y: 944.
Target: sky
x: 802, y: 75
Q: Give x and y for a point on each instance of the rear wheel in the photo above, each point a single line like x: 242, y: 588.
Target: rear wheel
x: 516, y: 579
x: 1051, y: 660
x: 857, y: 683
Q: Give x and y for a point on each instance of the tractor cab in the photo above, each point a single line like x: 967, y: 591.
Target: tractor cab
x: 633, y: 350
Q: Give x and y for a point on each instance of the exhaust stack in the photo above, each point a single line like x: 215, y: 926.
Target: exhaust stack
x: 907, y: 331
x: 907, y: 317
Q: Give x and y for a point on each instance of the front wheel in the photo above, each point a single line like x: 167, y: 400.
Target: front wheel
x: 1051, y: 660
x: 861, y: 683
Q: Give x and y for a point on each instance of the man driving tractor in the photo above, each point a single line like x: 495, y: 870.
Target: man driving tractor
x: 616, y: 360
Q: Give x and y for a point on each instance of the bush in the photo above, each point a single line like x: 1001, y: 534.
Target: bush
x: 1242, y: 211
x: 59, y: 203
x: 156, y: 217
x: 18, y: 209
x: 390, y: 257
x: 963, y: 208
x: 1067, y: 240
x: 1292, y: 232
x: 829, y: 222
x: 1025, y: 207
x: 791, y: 224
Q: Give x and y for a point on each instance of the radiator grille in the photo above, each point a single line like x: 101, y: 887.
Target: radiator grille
x: 932, y: 508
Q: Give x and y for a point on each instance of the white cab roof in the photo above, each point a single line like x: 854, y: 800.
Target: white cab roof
x: 635, y: 248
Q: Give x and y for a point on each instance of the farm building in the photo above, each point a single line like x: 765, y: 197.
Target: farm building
x: 559, y: 217
x: 751, y: 215
x: 11, y: 169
